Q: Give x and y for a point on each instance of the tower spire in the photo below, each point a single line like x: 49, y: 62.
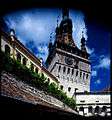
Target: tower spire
x: 65, y: 13
x: 83, y: 42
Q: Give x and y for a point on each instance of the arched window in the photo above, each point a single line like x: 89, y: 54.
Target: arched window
x: 24, y: 61
x: 64, y: 69
x: 32, y: 67
x: 61, y: 87
x: 59, y: 69
x: 42, y: 75
x: 68, y: 71
x: 97, y: 109
x: 7, y: 49
x: 48, y: 80
x: 72, y: 71
x: 104, y: 109
x: 90, y: 109
x: 69, y: 88
x: 81, y: 109
x: 36, y: 70
x: 19, y: 57
x: 86, y: 76
x: 80, y: 74
x: 76, y: 73
x: 83, y: 76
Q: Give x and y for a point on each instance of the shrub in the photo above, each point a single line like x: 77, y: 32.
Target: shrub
x: 34, y: 79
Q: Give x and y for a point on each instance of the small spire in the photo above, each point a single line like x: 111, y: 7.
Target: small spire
x: 65, y: 13
x: 83, y: 33
x: 83, y: 42
x: 12, y: 32
x: 50, y: 37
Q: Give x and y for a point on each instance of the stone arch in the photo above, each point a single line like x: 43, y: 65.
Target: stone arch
x: 7, y: 49
x: 104, y: 109
x: 32, y: 67
x: 24, y: 61
x: 36, y: 70
x: 61, y: 87
x: 69, y: 89
x: 64, y: 69
x: 97, y: 109
x: 19, y: 57
x: 90, y: 109
x: 81, y: 109
x: 48, y: 80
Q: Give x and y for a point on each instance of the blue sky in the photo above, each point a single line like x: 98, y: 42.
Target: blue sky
x: 33, y: 28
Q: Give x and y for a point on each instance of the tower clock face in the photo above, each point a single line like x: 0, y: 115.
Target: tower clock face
x: 68, y: 60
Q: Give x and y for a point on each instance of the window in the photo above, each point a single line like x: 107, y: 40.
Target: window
x: 19, y: 57
x: 61, y: 87
x: 90, y: 109
x: 104, y: 109
x: 81, y: 109
x: 97, y: 109
x: 59, y: 69
x: 24, y: 61
x: 69, y: 89
x: 76, y: 73
x: 86, y: 76
x: 83, y: 75
x: 36, y: 70
x: 82, y: 101
x: 42, y: 75
x: 68, y: 71
x: 80, y: 74
x: 32, y: 67
x: 7, y: 49
x: 64, y: 69
x: 85, y: 91
x: 48, y: 80
x: 72, y: 71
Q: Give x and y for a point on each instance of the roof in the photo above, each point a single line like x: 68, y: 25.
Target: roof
x: 19, y: 45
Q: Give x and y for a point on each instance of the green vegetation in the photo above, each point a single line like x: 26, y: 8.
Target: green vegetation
x: 34, y: 79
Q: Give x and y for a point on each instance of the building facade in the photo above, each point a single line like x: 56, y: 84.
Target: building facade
x: 66, y: 61
x: 12, y: 46
x: 90, y: 104
x: 67, y: 66
x: 72, y: 67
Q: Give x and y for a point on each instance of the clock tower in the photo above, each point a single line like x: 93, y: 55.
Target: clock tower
x: 66, y: 61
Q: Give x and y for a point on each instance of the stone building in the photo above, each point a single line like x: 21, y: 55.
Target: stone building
x: 90, y: 104
x: 66, y: 61
x: 72, y: 67
x: 12, y: 46
x: 67, y: 66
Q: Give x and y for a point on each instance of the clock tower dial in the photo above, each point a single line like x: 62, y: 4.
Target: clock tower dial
x: 68, y: 60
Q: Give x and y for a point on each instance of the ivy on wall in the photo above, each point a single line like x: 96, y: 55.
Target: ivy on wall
x: 37, y: 80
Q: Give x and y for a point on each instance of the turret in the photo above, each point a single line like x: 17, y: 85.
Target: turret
x: 83, y: 43
x: 65, y: 13
x: 50, y: 44
x: 12, y: 34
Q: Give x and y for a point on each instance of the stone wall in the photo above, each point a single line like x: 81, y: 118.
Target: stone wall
x: 11, y: 87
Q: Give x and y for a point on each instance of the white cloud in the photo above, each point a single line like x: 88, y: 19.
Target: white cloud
x: 89, y: 50
x: 36, y: 25
x: 104, y: 62
x: 98, y: 81
x: 78, y: 27
x: 94, y: 73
